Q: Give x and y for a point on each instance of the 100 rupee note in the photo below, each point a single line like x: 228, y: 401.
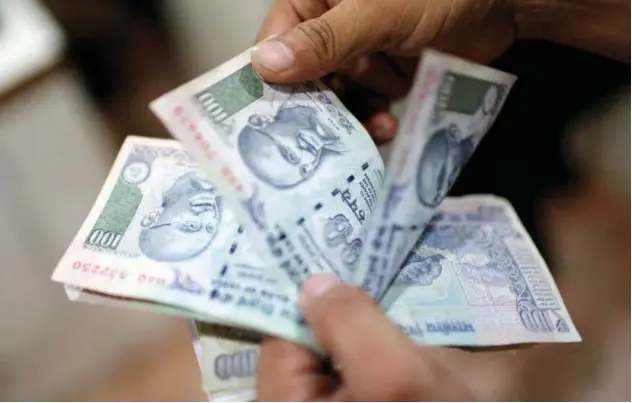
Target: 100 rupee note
x: 474, y: 279
x: 452, y: 105
x: 228, y: 358
x: 299, y: 171
x: 155, y: 233
x: 231, y: 285
x: 287, y: 184
x: 212, y: 351
x: 159, y: 238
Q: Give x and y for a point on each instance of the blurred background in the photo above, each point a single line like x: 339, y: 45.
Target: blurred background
x: 76, y: 77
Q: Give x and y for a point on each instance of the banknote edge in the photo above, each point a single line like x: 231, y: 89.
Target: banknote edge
x: 60, y: 274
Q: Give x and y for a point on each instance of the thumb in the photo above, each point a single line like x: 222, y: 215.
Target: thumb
x: 319, y: 45
x: 376, y: 359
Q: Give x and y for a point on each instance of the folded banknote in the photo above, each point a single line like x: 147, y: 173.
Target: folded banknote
x: 269, y: 184
x: 160, y: 238
x: 299, y: 171
x: 474, y: 278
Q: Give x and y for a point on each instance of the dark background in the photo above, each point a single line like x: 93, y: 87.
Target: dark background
x: 522, y: 157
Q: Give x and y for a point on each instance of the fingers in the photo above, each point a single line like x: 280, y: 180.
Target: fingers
x: 382, y: 126
x: 376, y: 359
x: 286, y: 14
x: 371, y: 108
x: 378, y: 74
x: 289, y: 372
x: 319, y: 45
x: 313, y: 48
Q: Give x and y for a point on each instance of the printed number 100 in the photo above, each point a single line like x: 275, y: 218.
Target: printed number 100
x: 105, y: 239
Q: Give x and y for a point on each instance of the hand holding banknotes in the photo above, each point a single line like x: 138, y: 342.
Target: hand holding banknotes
x: 268, y: 184
x: 373, y: 45
x: 377, y: 362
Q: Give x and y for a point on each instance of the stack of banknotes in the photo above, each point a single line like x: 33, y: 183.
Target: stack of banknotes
x: 268, y: 184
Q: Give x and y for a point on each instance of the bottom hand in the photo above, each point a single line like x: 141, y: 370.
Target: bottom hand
x: 375, y: 360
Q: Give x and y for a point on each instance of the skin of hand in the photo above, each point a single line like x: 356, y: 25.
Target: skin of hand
x: 367, y: 50
x: 375, y: 360
x: 373, y: 46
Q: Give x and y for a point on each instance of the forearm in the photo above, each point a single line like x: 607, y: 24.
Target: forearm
x: 597, y: 26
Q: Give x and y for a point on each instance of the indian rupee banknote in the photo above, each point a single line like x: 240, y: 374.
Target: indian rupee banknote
x: 473, y: 279
x: 155, y: 239
x: 287, y: 182
x: 160, y: 238
x: 299, y: 170
x: 224, y: 281
x: 208, y: 352
x: 155, y: 233
x: 228, y: 358
x: 452, y: 105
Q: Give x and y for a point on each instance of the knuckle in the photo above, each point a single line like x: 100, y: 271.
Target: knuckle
x: 322, y: 37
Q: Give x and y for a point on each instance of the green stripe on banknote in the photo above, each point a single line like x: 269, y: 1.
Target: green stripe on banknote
x: 464, y: 94
x: 225, y: 98
x: 116, y: 216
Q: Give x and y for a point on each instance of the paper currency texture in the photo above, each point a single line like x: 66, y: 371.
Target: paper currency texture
x: 452, y: 104
x: 301, y: 172
x: 267, y: 184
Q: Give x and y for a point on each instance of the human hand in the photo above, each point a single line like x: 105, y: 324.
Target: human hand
x: 372, y: 46
x: 376, y: 361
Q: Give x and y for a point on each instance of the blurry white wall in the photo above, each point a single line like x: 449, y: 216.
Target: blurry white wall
x: 207, y: 33
x: 54, y: 156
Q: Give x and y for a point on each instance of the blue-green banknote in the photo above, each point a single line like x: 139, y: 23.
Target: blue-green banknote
x: 474, y: 277
x: 299, y: 171
x: 271, y: 183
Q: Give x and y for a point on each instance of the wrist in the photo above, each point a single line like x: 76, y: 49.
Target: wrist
x: 542, y: 19
x: 591, y: 25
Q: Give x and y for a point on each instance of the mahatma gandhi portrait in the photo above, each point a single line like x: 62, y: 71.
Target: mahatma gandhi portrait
x: 286, y: 148
x: 440, y: 163
x: 186, y: 222
x: 449, y: 148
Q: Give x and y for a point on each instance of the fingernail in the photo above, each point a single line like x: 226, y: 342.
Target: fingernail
x: 318, y: 284
x: 273, y: 55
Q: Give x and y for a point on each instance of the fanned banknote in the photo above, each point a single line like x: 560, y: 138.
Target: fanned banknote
x: 227, y: 363
x: 300, y: 171
x: 228, y: 358
x: 475, y: 278
x: 230, y: 285
x: 155, y: 234
x: 159, y: 238
x: 452, y: 104
x: 289, y: 184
